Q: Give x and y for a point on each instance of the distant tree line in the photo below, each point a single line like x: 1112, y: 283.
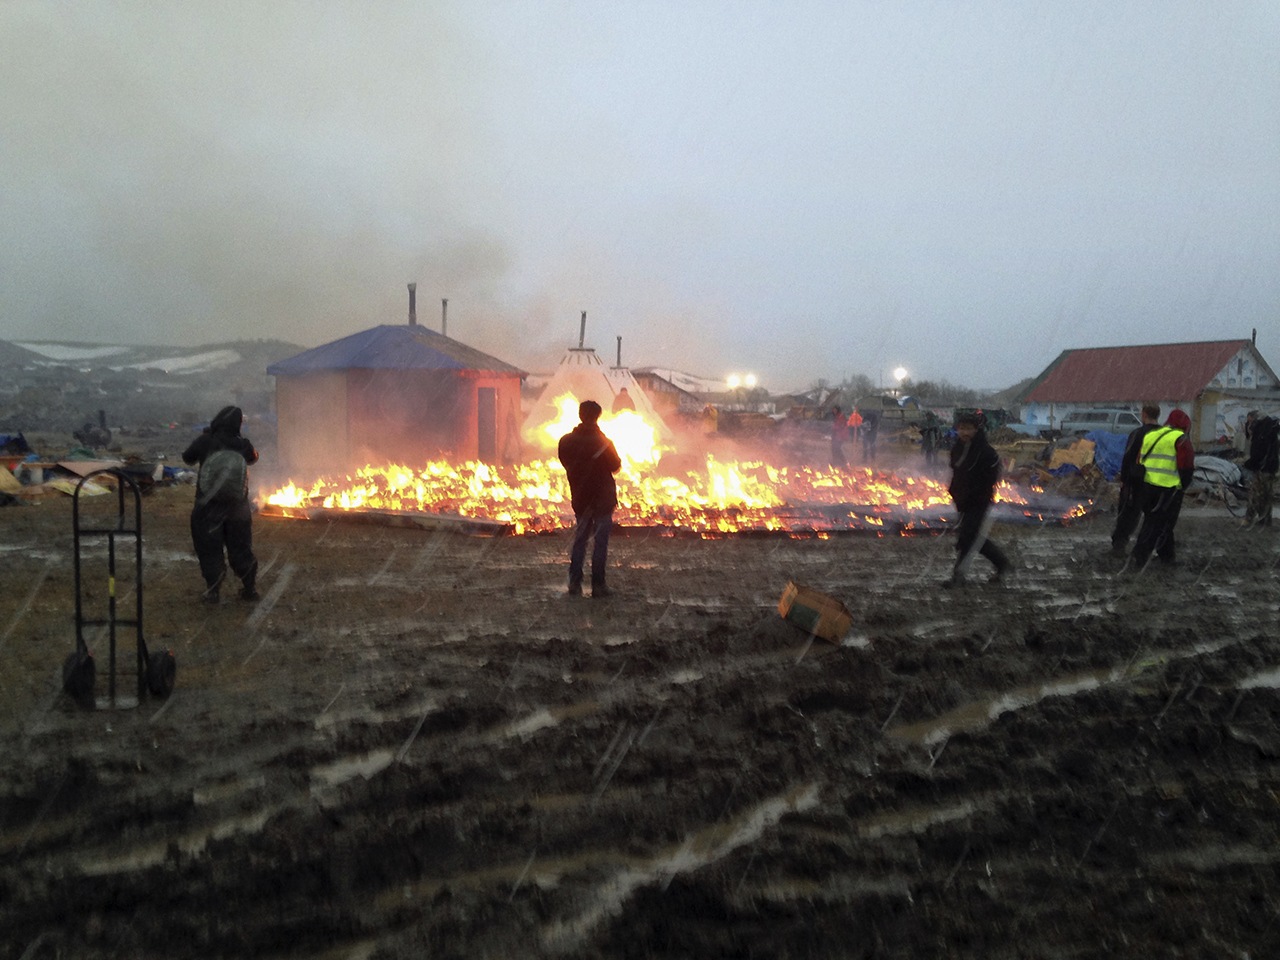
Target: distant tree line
x: 931, y: 393
x: 944, y: 393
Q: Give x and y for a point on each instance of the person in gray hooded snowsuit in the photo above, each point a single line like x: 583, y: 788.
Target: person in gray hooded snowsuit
x: 222, y: 518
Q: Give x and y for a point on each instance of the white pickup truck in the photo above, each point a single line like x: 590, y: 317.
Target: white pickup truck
x: 1107, y: 421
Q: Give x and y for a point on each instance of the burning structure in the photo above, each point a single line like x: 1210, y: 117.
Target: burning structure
x: 582, y: 375
x: 435, y: 425
x: 395, y: 394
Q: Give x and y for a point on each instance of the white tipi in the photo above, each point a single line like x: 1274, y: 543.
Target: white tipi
x: 583, y: 375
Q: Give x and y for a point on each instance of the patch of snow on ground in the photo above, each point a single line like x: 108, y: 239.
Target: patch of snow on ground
x: 196, y: 363
x: 63, y: 351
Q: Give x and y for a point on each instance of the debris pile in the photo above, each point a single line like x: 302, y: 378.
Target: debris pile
x: 27, y: 475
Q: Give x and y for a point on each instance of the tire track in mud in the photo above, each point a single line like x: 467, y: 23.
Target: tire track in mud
x: 561, y: 932
x: 444, y: 796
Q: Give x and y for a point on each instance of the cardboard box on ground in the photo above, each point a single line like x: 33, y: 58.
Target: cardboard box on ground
x: 815, y: 612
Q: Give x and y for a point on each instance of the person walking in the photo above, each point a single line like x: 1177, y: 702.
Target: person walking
x: 590, y: 460
x: 1264, y: 460
x: 1129, y: 506
x: 1168, y: 461
x: 975, y: 471
x: 222, y: 517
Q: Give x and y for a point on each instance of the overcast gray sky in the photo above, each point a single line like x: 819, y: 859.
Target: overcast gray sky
x: 802, y: 190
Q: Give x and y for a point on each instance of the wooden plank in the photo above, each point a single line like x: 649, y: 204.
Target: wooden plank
x: 453, y: 523
x: 82, y: 468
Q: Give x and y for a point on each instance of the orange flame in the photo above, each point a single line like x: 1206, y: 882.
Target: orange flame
x: 721, y: 498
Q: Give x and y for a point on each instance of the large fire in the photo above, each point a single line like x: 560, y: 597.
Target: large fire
x: 716, y: 498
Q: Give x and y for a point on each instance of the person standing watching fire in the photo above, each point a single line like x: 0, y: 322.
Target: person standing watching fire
x: 1264, y: 461
x: 590, y: 460
x: 870, y: 427
x: 975, y: 471
x: 222, y: 518
x: 1129, y: 506
x: 855, y: 426
x: 839, y: 434
x: 1168, y: 462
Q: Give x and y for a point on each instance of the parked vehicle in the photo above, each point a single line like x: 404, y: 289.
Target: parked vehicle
x: 895, y: 418
x: 1036, y: 430
x: 992, y: 418
x: 1106, y: 421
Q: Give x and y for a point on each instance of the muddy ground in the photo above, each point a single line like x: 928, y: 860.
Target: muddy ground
x: 416, y: 745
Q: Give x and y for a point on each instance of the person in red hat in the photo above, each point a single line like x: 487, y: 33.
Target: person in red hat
x: 1168, y: 461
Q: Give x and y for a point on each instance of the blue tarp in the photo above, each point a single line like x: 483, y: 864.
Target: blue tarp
x: 14, y: 443
x: 1108, y: 451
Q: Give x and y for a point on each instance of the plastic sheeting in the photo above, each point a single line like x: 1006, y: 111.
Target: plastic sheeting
x: 1108, y: 451
x: 1103, y: 450
x: 1213, y: 470
x: 1077, y: 454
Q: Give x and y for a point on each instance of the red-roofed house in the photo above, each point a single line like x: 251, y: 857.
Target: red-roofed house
x: 1214, y: 381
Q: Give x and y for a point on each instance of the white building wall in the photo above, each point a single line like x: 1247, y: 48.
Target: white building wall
x: 1243, y: 372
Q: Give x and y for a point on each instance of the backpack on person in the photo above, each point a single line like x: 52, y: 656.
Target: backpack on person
x: 224, y: 478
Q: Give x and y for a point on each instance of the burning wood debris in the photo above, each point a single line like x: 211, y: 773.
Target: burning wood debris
x: 717, y: 498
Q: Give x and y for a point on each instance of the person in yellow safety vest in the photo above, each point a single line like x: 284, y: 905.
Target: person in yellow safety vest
x: 1168, y: 462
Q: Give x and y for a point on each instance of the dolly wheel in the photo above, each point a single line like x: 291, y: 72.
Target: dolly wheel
x: 162, y: 670
x: 78, y: 674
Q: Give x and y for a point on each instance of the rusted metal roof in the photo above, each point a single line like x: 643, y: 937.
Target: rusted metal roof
x: 1164, y: 371
x: 392, y: 347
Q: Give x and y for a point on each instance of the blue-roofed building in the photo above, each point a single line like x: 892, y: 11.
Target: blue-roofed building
x: 394, y: 394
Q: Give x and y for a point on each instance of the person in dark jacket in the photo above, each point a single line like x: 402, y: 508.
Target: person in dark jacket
x: 839, y: 434
x: 1264, y: 460
x: 1169, y: 463
x: 1129, y: 507
x: 870, y: 430
x: 975, y: 471
x: 930, y: 438
x: 223, y: 524
x: 590, y: 461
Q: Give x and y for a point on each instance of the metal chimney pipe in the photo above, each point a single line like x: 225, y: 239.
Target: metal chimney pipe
x: 582, y: 330
x: 413, y: 304
x: 444, y: 315
x: 1254, y: 338
x: 619, y: 352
